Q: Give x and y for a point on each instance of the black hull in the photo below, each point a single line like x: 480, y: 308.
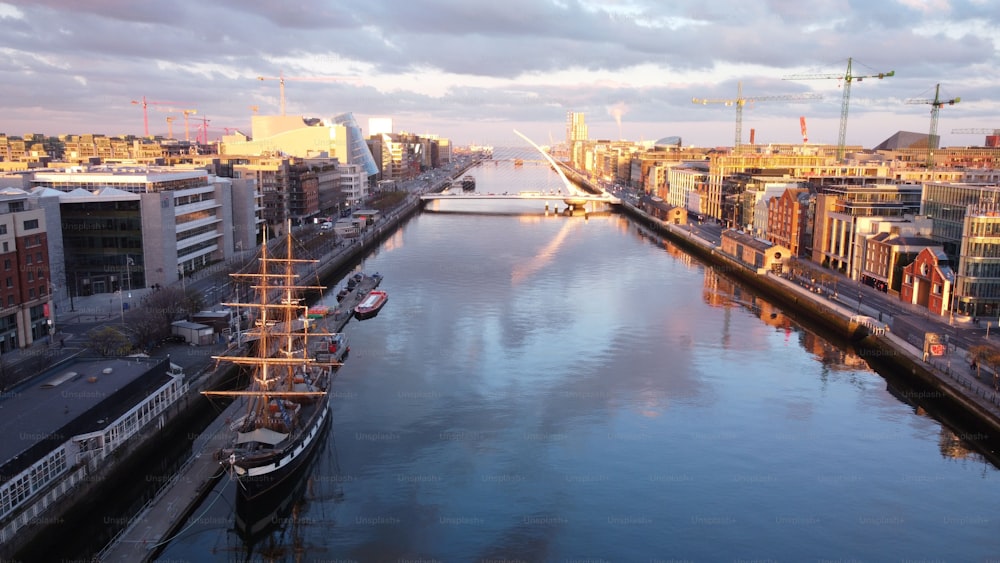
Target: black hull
x: 253, y: 487
x: 261, y: 514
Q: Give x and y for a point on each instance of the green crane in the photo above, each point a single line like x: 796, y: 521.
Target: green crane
x: 936, y: 103
x: 848, y: 77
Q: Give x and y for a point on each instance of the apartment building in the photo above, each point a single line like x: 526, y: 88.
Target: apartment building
x: 25, y: 279
x: 789, y: 220
x: 846, y: 214
x: 966, y: 222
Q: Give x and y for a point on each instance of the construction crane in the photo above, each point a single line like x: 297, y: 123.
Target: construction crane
x: 281, y: 78
x: 802, y: 124
x: 145, y: 116
x: 848, y: 77
x: 170, y: 126
x: 936, y: 103
x: 255, y: 109
x: 202, y: 137
x: 992, y: 135
x: 187, y: 132
x: 739, y: 101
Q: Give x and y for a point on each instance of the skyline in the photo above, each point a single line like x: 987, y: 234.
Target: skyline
x: 474, y: 72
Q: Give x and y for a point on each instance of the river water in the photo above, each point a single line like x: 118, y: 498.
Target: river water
x: 568, y: 388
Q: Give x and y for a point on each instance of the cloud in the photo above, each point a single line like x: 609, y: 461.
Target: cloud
x: 468, y: 63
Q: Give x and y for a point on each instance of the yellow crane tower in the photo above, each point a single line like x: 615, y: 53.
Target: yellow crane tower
x: 170, y: 126
x: 739, y: 101
x: 187, y: 131
x: 281, y: 78
x: 936, y: 103
x: 848, y: 79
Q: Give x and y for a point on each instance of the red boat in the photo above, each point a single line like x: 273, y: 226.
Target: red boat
x: 370, y: 305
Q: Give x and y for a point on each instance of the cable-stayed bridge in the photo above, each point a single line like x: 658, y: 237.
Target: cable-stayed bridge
x: 572, y: 194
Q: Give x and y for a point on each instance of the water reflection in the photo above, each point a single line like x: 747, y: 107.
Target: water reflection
x: 273, y: 526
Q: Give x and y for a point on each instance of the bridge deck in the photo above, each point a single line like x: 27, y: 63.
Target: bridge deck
x: 607, y: 198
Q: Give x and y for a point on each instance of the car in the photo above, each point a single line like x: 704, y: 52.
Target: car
x: 326, y: 226
x: 176, y: 338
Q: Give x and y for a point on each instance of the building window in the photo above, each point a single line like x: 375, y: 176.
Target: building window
x: 6, y: 264
x: 908, y: 279
x: 31, y: 293
x: 31, y: 275
x: 30, y: 224
x: 3, y: 229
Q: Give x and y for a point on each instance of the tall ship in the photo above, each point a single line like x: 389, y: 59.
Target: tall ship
x: 287, y: 400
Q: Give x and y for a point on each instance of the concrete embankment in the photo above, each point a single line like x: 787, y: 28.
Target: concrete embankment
x: 953, y: 390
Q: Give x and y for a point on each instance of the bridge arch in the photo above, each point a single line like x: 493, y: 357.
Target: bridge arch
x: 570, y: 186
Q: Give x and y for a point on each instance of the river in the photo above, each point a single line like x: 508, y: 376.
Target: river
x: 543, y: 387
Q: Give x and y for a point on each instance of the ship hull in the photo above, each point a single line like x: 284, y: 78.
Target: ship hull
x: 257, y: 515
x: 259, y: 475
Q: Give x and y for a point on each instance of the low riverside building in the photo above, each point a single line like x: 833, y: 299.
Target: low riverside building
x: 657, y: 207
x: 762, y: 255
x: 62, y: 429
x: 929, y: 281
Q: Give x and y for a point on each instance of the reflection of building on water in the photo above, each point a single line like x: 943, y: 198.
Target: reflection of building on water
x: 830, y: 355
x: 951, y: 445
x: 720, y: 291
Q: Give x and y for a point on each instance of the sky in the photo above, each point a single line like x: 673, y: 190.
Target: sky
x: 475, y: 70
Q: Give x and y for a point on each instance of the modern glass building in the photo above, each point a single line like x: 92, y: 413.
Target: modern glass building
x: 357, y: 149
x: 966, y: 219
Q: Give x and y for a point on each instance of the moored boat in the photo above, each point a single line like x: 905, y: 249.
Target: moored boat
x: 370, y: 305
x: 332, y: 348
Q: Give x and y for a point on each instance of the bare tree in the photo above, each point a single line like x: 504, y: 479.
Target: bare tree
x: 109, y: 341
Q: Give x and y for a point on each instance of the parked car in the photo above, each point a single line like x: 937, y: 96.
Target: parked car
x: 176, y: 338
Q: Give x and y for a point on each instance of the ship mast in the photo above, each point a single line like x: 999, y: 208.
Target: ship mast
x: 280, y: 348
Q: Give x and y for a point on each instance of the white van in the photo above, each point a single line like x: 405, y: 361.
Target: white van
x: 326, y: 226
